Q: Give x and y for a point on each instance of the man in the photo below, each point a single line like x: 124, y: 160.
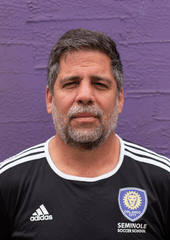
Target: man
x: 85, y: 182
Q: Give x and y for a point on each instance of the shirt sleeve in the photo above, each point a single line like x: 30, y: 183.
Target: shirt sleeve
x: 168, y: 221
x: 4, y: 221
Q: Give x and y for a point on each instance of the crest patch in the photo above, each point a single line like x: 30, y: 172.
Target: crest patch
x: 132, y: 202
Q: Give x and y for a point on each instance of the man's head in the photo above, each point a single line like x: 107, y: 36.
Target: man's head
x: 84, y: 39
x: 84, y: 98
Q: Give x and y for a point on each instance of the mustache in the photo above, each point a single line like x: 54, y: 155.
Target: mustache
x: 96, y: 111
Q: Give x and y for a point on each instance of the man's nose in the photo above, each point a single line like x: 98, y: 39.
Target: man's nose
x: 85, y: 93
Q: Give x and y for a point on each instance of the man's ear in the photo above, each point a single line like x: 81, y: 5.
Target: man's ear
x: 121, y: 101
x: 49, y: 99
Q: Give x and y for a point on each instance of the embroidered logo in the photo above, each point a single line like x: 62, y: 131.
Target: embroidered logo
x: 132, y: 202
x: 41, y: 214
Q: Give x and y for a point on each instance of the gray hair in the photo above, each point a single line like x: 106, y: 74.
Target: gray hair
x: 84, y: 39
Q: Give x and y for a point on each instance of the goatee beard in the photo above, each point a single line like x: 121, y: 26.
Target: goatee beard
x: 85, y: 137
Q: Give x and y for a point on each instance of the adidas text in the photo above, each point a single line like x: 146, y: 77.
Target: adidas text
x: 41, y: 218
x: 41, y: 214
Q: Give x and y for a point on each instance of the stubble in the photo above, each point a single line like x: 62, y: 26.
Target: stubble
x: 85, y: 136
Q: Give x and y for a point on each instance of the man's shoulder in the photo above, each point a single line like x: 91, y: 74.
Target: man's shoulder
x: 144, y: 155
x: 31, y: 154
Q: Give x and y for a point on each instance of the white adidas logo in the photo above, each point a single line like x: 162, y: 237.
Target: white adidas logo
x: 41, y: 214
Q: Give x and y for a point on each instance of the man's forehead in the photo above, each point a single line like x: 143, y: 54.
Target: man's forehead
x: 100, y: 69
x: 80, y: 52
x: 79, y: 62
x: 98, y: 61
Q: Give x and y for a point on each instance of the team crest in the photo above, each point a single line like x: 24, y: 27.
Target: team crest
x: 132, y: 202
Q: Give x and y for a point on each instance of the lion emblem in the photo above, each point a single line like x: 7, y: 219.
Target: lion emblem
x: 132, y: 200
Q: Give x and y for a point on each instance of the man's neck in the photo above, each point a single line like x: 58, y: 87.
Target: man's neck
x: 85, y: 163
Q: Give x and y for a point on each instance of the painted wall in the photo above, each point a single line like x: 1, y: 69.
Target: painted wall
x: 28, y: 31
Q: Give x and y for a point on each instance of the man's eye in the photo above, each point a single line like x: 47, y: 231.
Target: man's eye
x: 101, y: 86
x: 69, y: 85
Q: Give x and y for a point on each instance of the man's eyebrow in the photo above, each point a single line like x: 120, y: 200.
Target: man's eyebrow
x: 98, y: 78
x: 78, y: 78
x: 68, y: 78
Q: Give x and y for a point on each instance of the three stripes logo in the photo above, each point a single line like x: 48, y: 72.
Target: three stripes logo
x: 41, y: 214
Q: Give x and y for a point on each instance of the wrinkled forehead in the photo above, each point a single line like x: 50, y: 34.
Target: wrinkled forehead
x: 86, y: 62
x: 79, y: 52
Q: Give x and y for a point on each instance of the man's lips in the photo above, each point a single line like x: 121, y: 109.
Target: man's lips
x: 84, y: 117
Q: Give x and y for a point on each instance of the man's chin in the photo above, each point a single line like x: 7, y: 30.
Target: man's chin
x: 85, y: 135
x: 85, y: 139
x: 84, y: 146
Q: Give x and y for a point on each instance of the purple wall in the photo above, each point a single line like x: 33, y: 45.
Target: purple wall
x: 29, y: 29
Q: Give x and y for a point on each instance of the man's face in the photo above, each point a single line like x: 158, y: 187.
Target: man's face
x: 85, y: 104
